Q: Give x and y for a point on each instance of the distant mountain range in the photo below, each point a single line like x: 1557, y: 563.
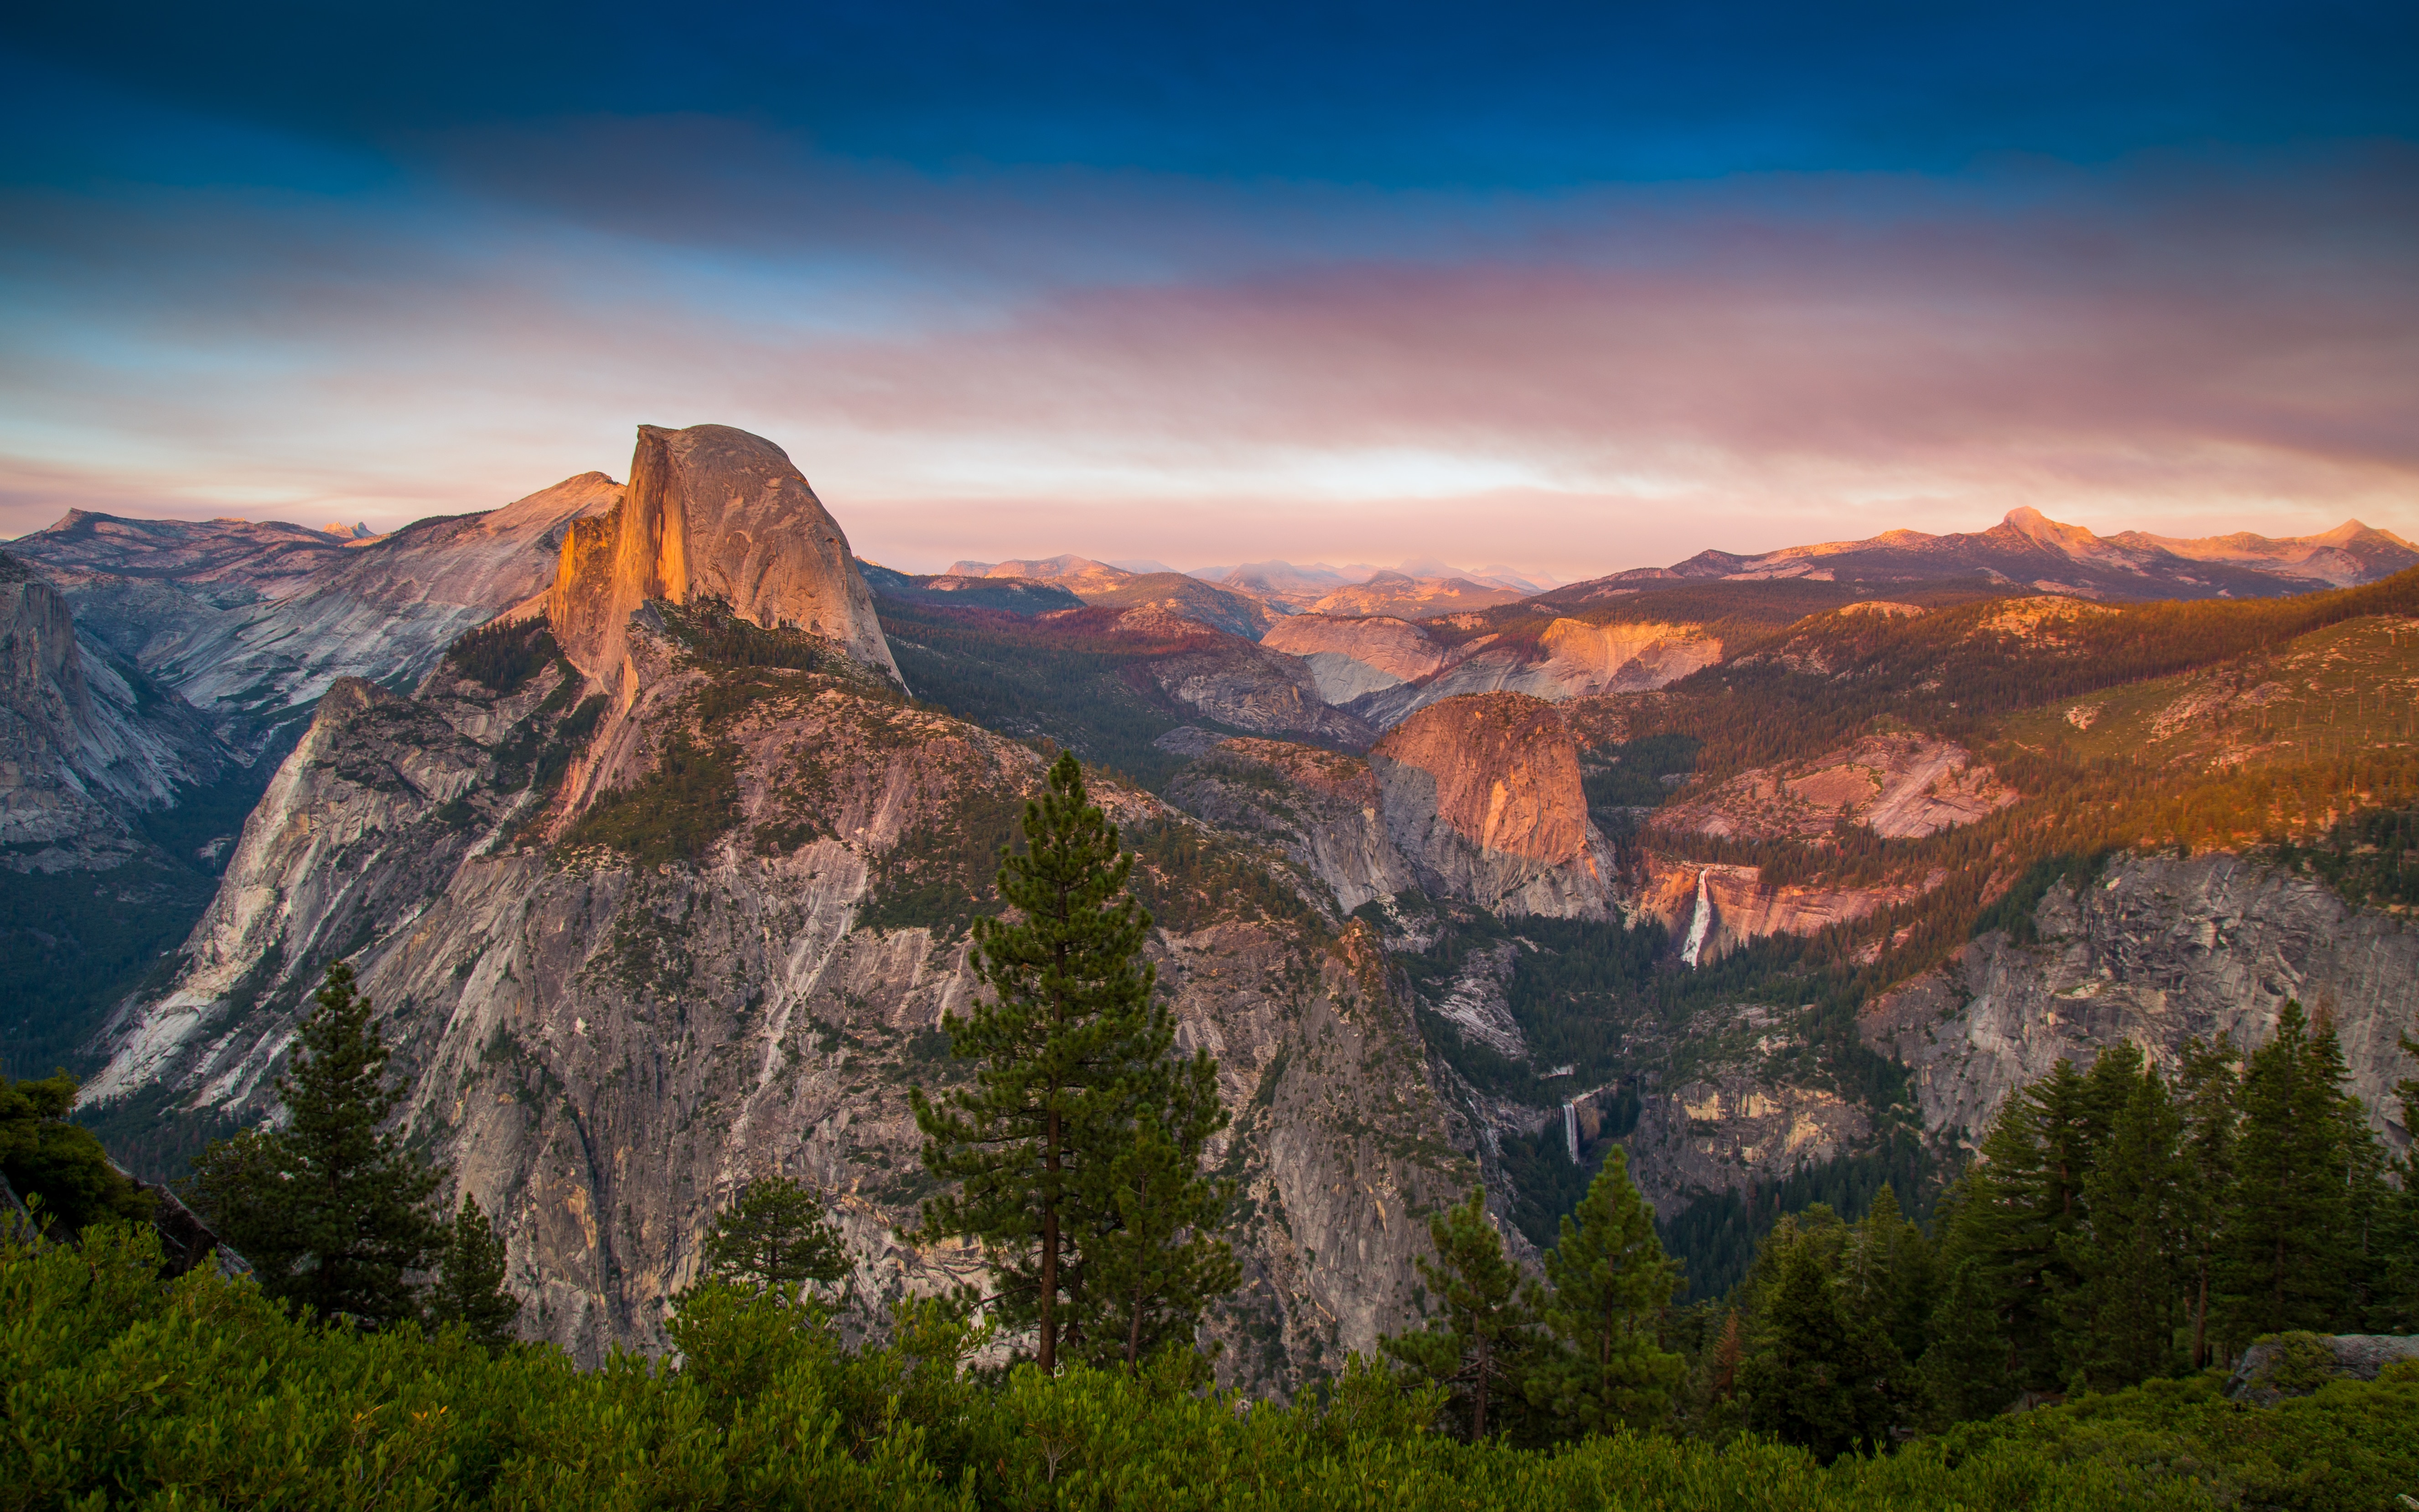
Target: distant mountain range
x: 2028, y: 549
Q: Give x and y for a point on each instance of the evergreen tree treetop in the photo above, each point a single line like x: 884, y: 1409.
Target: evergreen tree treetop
x: 1043, y: 1147
x: 777, y: 1238
x: 1610, y: 1287
x: 330, y: 1211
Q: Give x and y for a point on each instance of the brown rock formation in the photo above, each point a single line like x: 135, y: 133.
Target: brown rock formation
x: 710, y: 513
x: 1483, y: 794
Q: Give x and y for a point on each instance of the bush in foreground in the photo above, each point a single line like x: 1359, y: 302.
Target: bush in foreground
x: 120, y: 1389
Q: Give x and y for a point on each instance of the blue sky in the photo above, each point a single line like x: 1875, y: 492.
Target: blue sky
x: 1571, y: 287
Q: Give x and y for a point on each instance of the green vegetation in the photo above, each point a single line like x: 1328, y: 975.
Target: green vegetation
x: 1065, y: 681
x: 470, y: 1287
x: 202, y: 1392
x: 330, y: 1211
x: 1632, y: 773
x: 57, y: 1168
x: 939, y: 875
x: 777, y: 1238
x: 1077, y: 1148
x: 688, y: 799
x: 2369, y: 857
x: 1190, y: 877
x: 505, y: 655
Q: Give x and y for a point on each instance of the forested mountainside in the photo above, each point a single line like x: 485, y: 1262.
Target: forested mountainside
x: 1782, y: 883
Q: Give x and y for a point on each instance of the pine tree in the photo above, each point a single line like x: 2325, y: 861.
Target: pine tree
x: 1821, y: 1375
x: 331, y: 1212
x: 2208, y: 1092
x: 1890, y: 1272
x: 2120, y: 1318
x: 1965, y: 1370
x: 2290, y: 1226
x: 1156, y: 1258
x: 470, y: 1287
x: 2396, y: 1310
x: 777, y: 1238
x: 1485, y: 1339
x: 1073, y: 1051
x: 1610, y: 1287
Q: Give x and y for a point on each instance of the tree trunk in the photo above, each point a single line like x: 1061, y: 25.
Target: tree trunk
x: 1050, y: 1249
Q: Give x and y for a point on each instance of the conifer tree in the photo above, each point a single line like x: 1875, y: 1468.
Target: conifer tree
x: 1074, y: 1050
x: 1155, y: 1259
x: 2208, y: 1105
x: 1822, y: 1375
x: 777, y: 1238
x: 2397, y: 1307
x: 331, y: 1212
x: 1610, y: 1286
x: 2121, y: 1315
x: 1890, y: 1272
x: 470, y: 1287
x: 2289, y: 1230
x: 1485, y: 1343
x: 1965, y: 1370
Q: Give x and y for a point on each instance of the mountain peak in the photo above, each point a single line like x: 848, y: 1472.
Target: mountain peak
x: 710, y: 511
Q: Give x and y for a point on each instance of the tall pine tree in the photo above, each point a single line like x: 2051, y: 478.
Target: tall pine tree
x: 778, y: 1237
x: 330, y: 1211
x: 1484, y: 1342
x: 2290, y: 1229
x: 2209, y: 1089
x: 1154, y: 1256
x: 1610, y: 1286
x: 1076, y: 1056
x: 470, y: 1289
x: 1821, y: 1375
x: 2121, y: 1316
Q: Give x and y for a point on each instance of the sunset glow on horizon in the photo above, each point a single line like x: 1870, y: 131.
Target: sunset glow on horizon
x: 1570, y: 291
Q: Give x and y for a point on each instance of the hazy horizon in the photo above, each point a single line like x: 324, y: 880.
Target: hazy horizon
x: 1574, y: 290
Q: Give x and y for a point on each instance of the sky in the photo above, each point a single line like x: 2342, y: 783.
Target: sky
x: 1566, y: 287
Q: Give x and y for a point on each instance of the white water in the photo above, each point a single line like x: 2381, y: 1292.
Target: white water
x: 1571, y: 1129
x: 1702, y: 923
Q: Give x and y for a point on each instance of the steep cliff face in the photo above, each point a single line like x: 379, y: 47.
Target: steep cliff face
x: 1713, y: 909
x: 634, y: 950
x: 1744, y: 1110
x: 84, y: 743
x: 710, y: 513
x: 2156, y: 950
x: 1482, y: 794
x: 1321, y: 808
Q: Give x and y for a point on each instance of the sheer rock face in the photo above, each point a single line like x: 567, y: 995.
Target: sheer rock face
x: 1738, y: 906
x: 1482, y: 793
x: 2159, y: 951
x: 710, y: 513
x: 85, y: 744
x: 604, y: 1051
x: 1568, y: 659
x: 1321, y: 808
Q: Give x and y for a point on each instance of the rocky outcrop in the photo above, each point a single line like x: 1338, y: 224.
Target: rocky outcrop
x: 1349, y: 658
x: 1405, y: 597
x: 1320, y: 808
x: 2158, y: 952
x: 252, y: 623
x: 710, y: 513
x: 85, y: 742
x: 1744, y: 1112
x: 1715, y: 908
x: 2296, y: 1365
x: 1568, y: 658
x: 1900, y: 786
x: 1482, y: 795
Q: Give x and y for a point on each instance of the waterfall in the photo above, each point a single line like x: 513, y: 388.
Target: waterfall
x: 1701, y: 922
x: 1571, y: 1129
